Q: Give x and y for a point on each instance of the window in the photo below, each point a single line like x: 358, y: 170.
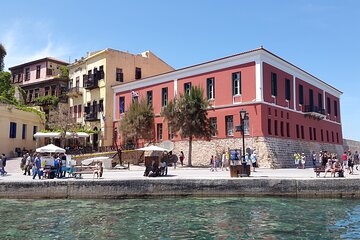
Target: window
x: 322, y: 135
x: 301, y: 94
x: 119, y: 75
x: 229, y: 126
x: 328, y: 106
x: 121, y: 104
x: 282, y: 128
x: 297, y: 131
x: 101, y: 72
x: 101, y: 105
x: 19, y: 77
x: 164, y: 96
x: 327, y: 136
x: 288, y: 129
x: 12, y: 130
x: 335, y: 108
x: 74, y: 115
x: 36, y: 93
x: 246, y: 125
x: 269, y: 126
x: 79, y: 111
x: 53, y: 90
x: 275, y: 128
x: 137, y: 73
x: 159, y: 131
x: 187, y: 87
x: 213, y: 125
x: 311, y: 97
x: 332, y: 136
x: 236, y: 83
x: 38, y: 71
x: 77, y: 82
x: 310, y: 132
x: 70, y: 84
x: 314, y: 132
x: 287, y: 89
x: 337, y: 137
x: 320, y: 101
x: 302, y: 132
x: 96, y: 74
x: 273, y: 84
x: 23, y: 135
x: 269, y: 111
x: 27, y: 74
x: 149, y: 97
x: 35, y: 128
x: 210, y: 88
x: 47, y: 91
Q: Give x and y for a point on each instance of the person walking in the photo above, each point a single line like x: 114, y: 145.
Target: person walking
x: 223, y: 161
x: 182, y: 157
x: 344, y: 158
x: 253, y: 159
x: 27, y: 164
x: 37, y: 166
x: 212, y: 163
x: 303, y: 160
x: 3, y: 159
x: 356, y: 159
x: 297, y: 159
x: 313, y: 158
x: 216, y: 162
x: 2, y: 173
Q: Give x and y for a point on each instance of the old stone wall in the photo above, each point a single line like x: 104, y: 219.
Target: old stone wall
x: 331, y: 187
x: 351, y: 145
x: 272, y: 152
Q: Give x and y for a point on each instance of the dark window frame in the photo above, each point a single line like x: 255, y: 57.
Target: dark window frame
x: 229, y: 131
x: 164, y: 96
x: 12, y: 132
x: 121, y: 104
x: 301, y: 94
x: 210, y: 83
x: 23, y: 133
x: 137, y: 73
x: 287, y: 89
x: 236, y: 80
x: 119, y: 75
x: 187, y: 87
x: 38, y: 71
x: 213, y: 125
x: 149, y: 97
x: 273, y: 84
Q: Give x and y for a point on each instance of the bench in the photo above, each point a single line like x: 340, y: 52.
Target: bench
x: 321, y: 169
x: 80, y: 170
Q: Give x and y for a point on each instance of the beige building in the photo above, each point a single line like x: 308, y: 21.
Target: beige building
x: 91, y: 98
x: 18, y: 129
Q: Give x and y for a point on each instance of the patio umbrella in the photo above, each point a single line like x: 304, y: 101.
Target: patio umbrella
x: 51, y: 148
x: 152, y: 148
x: 89, y: 161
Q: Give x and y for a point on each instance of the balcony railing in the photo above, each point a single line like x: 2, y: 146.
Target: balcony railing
x: 90, y: 82
x: 315, y: 111
x: 74, y: 92
x: 93, y: 116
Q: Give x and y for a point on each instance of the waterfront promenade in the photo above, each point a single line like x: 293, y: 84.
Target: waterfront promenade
x: 180, y: 181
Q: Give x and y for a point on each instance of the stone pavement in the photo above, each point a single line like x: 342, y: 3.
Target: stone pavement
x: 136, y: 172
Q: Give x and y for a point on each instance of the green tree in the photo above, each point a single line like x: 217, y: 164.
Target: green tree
x: 64, y: 72
x: 7, y: 91
x: 187, y: 115
x: 138, y: 122
x: 2, y: 56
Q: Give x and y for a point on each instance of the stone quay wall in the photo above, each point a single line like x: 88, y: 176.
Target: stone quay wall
x: 105, y: 189
x: 272, y: 152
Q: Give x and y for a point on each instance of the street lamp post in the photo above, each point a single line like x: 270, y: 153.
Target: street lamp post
x: 242, y: 120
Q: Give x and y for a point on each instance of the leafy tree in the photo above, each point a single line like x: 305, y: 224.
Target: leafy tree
x: 7, y: 91
x: 64, y: 72
x: 187, y: 115
x: 61, y: 120
x: 138, y: 122
x: 2, y: 56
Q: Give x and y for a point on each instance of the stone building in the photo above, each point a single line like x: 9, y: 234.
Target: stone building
x: 288, y: 109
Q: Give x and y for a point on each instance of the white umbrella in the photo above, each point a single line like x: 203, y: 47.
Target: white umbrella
x: 152, y: 148
x: 47, y: 134
x: 88, y: 161
x: 51, y: 148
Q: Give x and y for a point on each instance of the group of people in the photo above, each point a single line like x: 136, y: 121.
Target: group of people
x: 330, y: 161
x: 3, y: 159
x: 32, y: 165
x: 231, y: 157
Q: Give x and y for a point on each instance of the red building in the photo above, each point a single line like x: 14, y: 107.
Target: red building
x: 288, y: 108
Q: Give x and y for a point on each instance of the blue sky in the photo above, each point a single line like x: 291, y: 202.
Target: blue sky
x: 320, y: 37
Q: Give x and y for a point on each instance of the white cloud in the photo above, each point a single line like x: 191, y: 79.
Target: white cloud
x: 26, y: 42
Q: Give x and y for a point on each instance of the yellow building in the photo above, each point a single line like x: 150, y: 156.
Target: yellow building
x: 91, y: 98
x: 18, y: 128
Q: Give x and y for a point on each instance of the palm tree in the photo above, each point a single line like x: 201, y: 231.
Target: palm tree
x: 138, y: 122
x: 187, y: 115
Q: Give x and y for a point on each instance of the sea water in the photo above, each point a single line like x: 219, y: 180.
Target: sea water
x: 181, y: 218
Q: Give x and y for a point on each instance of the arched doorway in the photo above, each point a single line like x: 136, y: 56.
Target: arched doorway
x: 95, y: 139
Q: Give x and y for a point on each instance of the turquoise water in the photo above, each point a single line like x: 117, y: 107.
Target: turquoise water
x: 181, y: 218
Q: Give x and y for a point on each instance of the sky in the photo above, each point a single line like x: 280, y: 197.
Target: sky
x: 320, y: 37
